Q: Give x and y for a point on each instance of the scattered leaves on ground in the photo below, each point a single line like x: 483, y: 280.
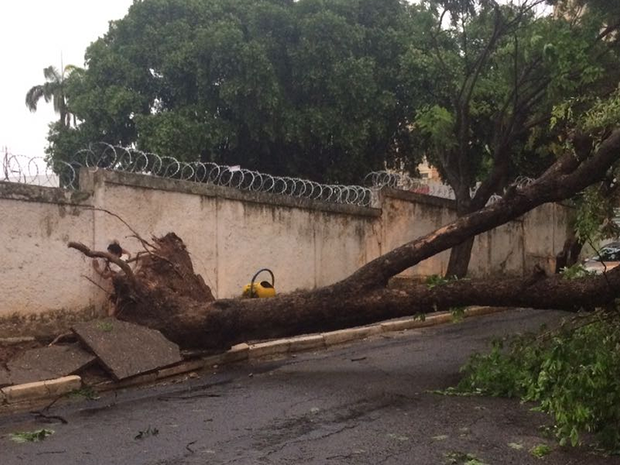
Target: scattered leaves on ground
x: 458, y: 314
x: 31, y: 436
x: 540, y: 451
x: 569, y: 372
x: 452, y: 391
x: 462, y: 458
x: 146, y: 433
x: 86, y: 392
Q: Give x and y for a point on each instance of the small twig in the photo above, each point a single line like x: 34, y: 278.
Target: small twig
x: 189, y: 448
x: 58, y: 338
x: 160, y: 257
x: 138, y: 255
x: 575, y: 324
x: 39, y: 414
x: 120, y: 310
x: 144, y: 242
x: 100, y: 287
x: 174, y: 266
x: 598, y: 254
x: 48, y: 406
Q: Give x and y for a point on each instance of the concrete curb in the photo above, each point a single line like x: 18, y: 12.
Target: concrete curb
x: 240, y: 352
x: 40, y: 389
x: 11, y: 341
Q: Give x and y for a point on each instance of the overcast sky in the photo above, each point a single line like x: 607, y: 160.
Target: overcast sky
x: 33, y: 35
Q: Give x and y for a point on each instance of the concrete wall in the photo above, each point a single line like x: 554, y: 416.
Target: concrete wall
x: 512, y: 249
x: 38, y: 274
x: 230, y: 234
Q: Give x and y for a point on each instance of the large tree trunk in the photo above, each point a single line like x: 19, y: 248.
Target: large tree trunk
x: 166, y: 294
x: 569, y: 255
x: 460, y: 256
x: 194, y: 322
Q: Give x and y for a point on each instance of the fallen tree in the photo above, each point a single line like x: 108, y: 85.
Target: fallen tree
x: 165, y: 293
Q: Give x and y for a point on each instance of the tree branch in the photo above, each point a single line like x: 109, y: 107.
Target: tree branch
x: 137, y: 236
x: 562, y: 180
x: 111, y: 258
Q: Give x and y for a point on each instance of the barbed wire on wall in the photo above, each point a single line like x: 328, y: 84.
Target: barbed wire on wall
x: 380, y: 179
x: 27, y: 170
x: 115, y: 158
x: 400, y: 181
x: 35, y: 170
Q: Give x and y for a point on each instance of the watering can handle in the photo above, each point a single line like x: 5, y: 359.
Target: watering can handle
x: 273, y: 280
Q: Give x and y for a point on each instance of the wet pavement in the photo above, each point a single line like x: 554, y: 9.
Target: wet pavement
x: 365, y: 403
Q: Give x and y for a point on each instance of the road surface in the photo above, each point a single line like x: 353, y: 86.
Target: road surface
x: 365, y: 403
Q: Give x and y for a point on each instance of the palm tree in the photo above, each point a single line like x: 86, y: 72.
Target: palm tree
x: 53, y: 90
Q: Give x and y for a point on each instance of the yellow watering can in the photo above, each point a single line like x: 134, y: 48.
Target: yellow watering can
x: 261, y: 290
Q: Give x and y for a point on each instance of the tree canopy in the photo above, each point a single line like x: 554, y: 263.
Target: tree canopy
x: 502, y: 78
x: 310, y: 88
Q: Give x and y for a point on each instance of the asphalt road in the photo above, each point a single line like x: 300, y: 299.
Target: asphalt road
x: 366, y: 403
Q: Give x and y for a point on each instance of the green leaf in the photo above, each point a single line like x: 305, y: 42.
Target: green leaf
x: 540, y: 451
x: 32, y: 436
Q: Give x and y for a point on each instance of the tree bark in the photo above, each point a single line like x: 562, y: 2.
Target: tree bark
x: 460, y: 254
x: 165, y: 293
x: 460, y: 257
x: 219, y: 324
x: 569, y: 255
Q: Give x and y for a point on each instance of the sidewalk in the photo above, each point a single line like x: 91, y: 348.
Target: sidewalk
x: 55, y: 388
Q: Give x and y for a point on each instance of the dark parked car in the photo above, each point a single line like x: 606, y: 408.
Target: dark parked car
x: 608, y: 258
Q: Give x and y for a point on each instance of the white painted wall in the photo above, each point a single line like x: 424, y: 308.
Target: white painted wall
x: 37, y: 271
x: 231, y: 234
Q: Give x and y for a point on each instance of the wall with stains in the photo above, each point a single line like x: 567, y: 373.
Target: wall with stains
x: 38, y: 274
x: 230, y: 235
x: 513, y: 249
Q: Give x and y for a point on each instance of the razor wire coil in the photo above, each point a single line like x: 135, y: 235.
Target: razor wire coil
x: 36, y: 170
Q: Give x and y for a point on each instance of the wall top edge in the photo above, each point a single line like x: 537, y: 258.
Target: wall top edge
x: 418, y: 198
x: 92, y: 177
x: 43, y: 194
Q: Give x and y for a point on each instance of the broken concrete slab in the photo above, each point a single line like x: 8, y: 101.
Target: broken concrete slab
x: 48, y: 363
x: 125, y: 349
